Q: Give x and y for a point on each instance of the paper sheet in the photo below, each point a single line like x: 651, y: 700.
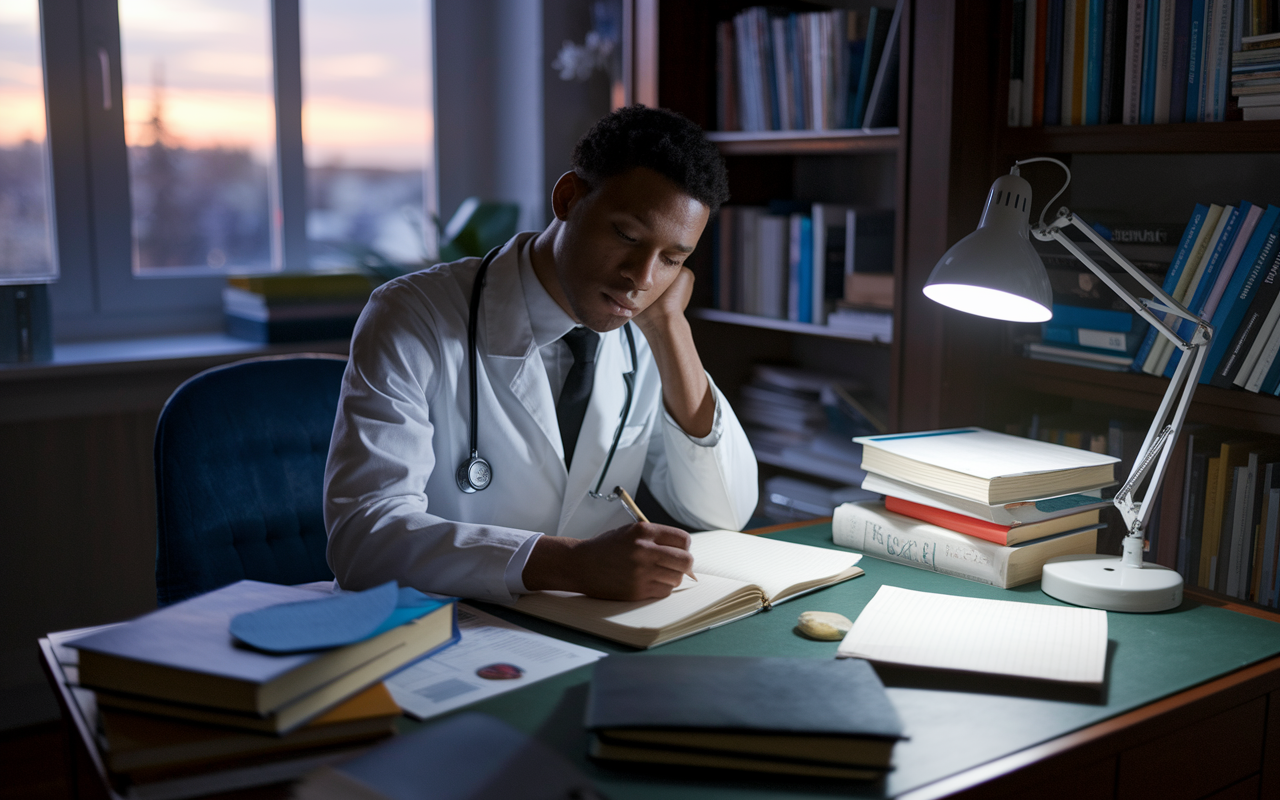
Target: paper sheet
x: 1027, y: 640
x: 493, y: 657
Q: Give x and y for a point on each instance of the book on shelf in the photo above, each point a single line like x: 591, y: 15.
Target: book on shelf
x: 869, y: 528
x: 1090, y: 62
x: 274, y: 309
x: 1003, y: 535
x: 737, y: 575
x: 816, y: 717
x: 791, y: 260
x: 819, y: 70
x: 986, y: 466
x: 1023, y: 512
x: 869, y: 290
x: 1239, y: 292
x: 182, y: 661
x: 1091, y: 339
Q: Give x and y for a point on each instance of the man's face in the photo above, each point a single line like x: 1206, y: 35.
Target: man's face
x: 623, y: 243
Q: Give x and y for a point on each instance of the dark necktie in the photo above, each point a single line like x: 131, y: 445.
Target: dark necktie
x: 576, y: 394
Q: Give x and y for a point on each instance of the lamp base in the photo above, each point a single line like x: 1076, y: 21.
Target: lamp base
x: 1104, y: 582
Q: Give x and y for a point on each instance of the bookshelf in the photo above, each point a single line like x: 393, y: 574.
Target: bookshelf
x: 1154, y: 172
x: 858, y: 167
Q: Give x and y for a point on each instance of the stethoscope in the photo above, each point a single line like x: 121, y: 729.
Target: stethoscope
x: 475, y: 474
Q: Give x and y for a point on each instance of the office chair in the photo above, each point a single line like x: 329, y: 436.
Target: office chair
x: 240, y: 454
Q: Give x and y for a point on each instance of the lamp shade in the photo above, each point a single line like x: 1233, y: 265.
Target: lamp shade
x: 994, y: 271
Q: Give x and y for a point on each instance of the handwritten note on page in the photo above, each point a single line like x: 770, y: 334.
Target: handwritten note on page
x: 1026, y: 640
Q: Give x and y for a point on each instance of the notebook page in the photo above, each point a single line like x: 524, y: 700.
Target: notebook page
x: 691, y: 598
x: 1027, y: 640
x: 770, y: 564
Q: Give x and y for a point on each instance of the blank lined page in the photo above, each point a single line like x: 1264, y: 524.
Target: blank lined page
x: 688, y: 600
x: 768, y: 563
x: 1027, y: 640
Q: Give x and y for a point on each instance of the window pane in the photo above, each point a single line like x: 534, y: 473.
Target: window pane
x: 26, y: 251
x: 200, y: 125
x: 365, y: 129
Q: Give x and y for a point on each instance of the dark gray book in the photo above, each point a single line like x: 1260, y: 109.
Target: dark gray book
x: 795, y: 715
x: 467, y: 757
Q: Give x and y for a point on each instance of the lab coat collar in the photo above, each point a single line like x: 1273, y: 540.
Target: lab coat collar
x: 547, y: 319
x: 508, y: 333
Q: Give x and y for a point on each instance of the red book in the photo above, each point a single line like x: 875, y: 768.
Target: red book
x: 990, y: 531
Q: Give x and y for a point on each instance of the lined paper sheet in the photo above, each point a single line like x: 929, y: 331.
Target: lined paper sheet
x: 1026, y: 640
x: 708, y: 592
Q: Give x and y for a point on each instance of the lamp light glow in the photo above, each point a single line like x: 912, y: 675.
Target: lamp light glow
x: 994, y: 271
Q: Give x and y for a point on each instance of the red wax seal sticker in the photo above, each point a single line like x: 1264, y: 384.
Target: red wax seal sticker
x: 500, y: 672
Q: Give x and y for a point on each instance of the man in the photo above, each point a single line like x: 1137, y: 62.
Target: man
x: 551, y: 362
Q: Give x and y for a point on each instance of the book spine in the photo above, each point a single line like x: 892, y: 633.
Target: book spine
x: 1150, y: 59
x: 1017, y: 56
x: 1053, y: 64
x: 1164, y: 63
x: 781, y: 65
x: 1029, y: 63
x: 1193, y: 515
x: 1135, y: 28
x: 1206, y: 282
x: 1248, y: 225
x: 1240, y: 291
x: 1268, y: 348
x: 1181, y: 53
x: 1189, y: 235
x: 1211, y: 529
x: 1068, y: 57
x: 1079, y: 64
x: 1195, y: 61
x: 1265, y: 295
x: 874, y: 532
x: 1099, y: 319
x: 1093, y: 64
x: 1038, y: 53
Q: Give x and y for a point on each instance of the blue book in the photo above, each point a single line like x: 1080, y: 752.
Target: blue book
x: 1244, y: 284
x: 1171, y: 278
x: 856, y: 51
x: 1098, y: 319
x: 1181, y: 53
x: 1053, y: 64
x: 771, y: 77
x: 1095, y: 341
x: 1093, y: 65
x: 1195, y: 61
x: 1271, y: 383
x: 1150, y: 48
x: 1214, y: 265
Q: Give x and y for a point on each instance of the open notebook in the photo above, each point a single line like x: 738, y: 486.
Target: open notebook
x: 738, y: 574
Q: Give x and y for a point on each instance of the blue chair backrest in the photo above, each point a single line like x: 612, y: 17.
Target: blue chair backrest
x: 240, y: 454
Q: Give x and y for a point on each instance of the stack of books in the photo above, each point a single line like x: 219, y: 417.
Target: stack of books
x: 820, y: 70
x: 183, y: 708
x: 1255, y: 74
x: 1096, y: 62
x: 1091, y: 337
x: 274, y: 309
x: 794, y: 261
x: 979, y: 505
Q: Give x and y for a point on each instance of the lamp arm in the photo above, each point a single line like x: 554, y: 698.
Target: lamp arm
x: 1162, y: 436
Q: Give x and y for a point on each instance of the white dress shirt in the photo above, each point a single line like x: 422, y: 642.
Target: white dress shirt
x: 402, y: 429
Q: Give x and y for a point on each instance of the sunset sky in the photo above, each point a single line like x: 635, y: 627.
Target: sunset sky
x: 364, y: 76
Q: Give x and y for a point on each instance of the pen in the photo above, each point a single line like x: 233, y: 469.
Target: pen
x: 637, y: 514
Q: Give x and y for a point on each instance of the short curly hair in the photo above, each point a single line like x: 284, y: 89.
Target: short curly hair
x: 664, y: 141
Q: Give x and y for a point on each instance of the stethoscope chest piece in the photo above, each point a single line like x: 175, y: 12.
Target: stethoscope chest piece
x: 474, y: 474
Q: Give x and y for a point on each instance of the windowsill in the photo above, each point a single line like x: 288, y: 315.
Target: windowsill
x: 130, y: 355
x: 88, y: 379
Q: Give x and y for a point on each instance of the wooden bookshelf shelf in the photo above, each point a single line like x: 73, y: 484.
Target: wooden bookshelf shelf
x: 1189, y: 137
x: 801, y: 143
x: 1232, y: 408
x: 752, y: 321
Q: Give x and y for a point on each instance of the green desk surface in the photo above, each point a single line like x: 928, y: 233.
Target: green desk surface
x: 954, y: 722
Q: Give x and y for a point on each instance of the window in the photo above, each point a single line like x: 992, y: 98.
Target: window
x: 179, y: 153
x: 26, y: 252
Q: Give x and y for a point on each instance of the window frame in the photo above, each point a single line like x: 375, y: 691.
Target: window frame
x: 98, y: 295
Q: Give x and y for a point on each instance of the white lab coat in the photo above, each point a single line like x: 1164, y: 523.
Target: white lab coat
x: 393, y: 509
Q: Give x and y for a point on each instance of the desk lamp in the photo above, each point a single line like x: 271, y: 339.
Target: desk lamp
x: 995, y: 272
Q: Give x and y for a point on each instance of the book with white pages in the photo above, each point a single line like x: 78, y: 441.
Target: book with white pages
x: 1023, y: 512
x: 986, y: 466
x: 970, y: 634
x: 738, y: 575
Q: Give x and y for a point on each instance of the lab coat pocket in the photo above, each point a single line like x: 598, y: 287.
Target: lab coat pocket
x: 630, y: 435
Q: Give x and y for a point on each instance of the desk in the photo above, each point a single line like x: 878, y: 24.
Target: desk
x: 1191, y: 707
